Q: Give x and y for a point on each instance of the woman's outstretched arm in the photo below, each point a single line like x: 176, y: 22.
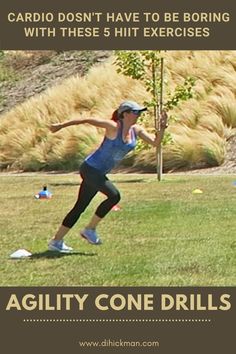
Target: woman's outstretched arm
x: 100, y: 123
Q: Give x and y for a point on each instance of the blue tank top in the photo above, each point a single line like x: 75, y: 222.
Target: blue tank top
x: 111, y: 152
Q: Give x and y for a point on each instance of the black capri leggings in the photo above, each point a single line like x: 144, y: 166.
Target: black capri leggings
x: 93, y: 182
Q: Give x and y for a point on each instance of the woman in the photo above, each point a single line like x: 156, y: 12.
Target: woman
x: 121, y: 133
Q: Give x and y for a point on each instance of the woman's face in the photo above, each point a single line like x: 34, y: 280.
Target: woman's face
x: 132, y: 116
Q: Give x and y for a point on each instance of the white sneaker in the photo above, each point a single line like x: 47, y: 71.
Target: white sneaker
x: 59, y: 246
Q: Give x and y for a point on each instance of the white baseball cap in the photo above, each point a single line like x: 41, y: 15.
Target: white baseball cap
x: 130, y: 106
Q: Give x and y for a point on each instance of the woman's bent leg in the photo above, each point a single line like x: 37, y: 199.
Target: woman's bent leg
x: 86, y: 194
x: 113, y: 197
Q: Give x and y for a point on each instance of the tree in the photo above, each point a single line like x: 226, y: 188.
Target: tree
x: 148, y: 67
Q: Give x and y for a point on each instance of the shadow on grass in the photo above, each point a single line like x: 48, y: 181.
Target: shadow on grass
x: 137, y: 180
x: 52, y: 254
x: 72, y: 184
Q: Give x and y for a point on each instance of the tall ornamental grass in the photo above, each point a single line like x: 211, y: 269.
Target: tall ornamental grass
x: 199, y: 128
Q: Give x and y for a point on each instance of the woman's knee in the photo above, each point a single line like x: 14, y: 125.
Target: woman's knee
x: 115, y: 197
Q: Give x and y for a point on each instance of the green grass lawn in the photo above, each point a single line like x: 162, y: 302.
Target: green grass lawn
x: 163, y: 235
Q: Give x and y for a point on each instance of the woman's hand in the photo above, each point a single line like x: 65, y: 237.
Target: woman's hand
x: 163, y: 120
x: 55, y: 127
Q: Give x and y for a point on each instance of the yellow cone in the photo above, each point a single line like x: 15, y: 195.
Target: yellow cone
x: 197, y: 191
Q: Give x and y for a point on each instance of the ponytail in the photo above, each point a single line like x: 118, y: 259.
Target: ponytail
x: 115, y: 116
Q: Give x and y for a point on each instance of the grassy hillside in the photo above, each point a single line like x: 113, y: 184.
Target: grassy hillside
x: 199, y: 127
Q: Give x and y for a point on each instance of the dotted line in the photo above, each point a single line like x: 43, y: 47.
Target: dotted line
x: 206, y: 320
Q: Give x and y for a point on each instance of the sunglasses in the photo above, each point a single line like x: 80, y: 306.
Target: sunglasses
x: 136, y: 112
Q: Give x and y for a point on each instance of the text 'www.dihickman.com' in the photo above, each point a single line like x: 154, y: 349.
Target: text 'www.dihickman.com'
x: 119, y: 343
